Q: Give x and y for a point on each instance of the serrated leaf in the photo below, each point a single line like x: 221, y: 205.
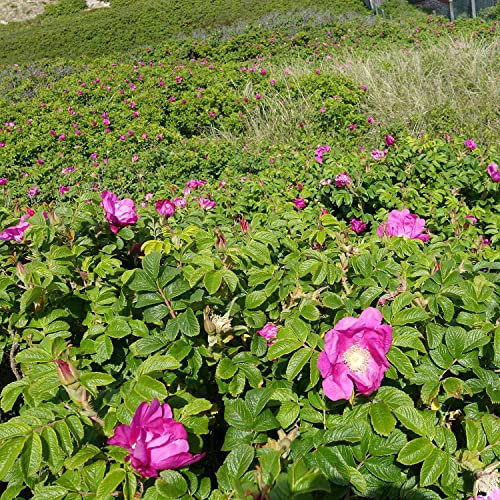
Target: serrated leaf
x: 33, y: 355
x: 288, y: 413
x: 110, y: 482
x: 297, y: 363
x: 50, y: 493
x: 150, y: 388
x: 31, y: 456
x: 82, y: 456
x: 238, y: 415
x: 230, y: 278
x: 195, y: 407
x: 171, y: 485
x: 212, y: 281
x: 158, y: 363
x: 188, y: 323
x: 155, y: 313
x: 226, y: 369
x: 409, y: 316
x: 239, y: 460
x: 415, y: 451
x: 456, y: 341
x: 411, y: 419
x: 118, y: 328
x: 433, y: 467
x: 12, y: 429
x: 401, y: 362
x: 382, y: 419
x: 9, y: 453
x: 255, y: 299
x: 282, y: 347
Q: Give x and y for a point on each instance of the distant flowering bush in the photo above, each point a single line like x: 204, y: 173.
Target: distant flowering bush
x: 404, y: 224
x: 119, y: 213
x: 155, y: 440
x: 355, y: 354
x: 15, y: 233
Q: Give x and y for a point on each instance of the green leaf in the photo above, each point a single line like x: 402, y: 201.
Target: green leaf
x: 31, y: 457
x: 409, y: 316
x: 158, y: 363
x: 171, y: 485
x: 150, y: 388
x: 383, y: 468
x: 401, y: 362
x: 50, y: 493
x: 382, y: 419
x: 110, y: 482
x: 12, y: 429
x: 151, y: 264
x: 196, y: 406
x: 456, y: 341
x: 415, y: 451
x: 288, y: 413
x: 239, y: 460
x: 297, y: 363
x: 156, y: 313
x: 143, y: 282
x: 92, y: 380
x: 226, y: 369
x: 454, y: 387
x: 118, y: 328
x: 82, y: 456
x: 255, y: 299
x: 33, y: 355
x: 188, y: 323
x: 258, y: 252
x: 238, y: 415
x: 433, y: 467
x: 447, y: 307
x: 212, y: 281
x: 270, y: 464
x: 310, y: 312
x: 9, y: 453
x: 282, y: 347
x: 332, y: 301
x: 230, y: 278
x: 411, y: 419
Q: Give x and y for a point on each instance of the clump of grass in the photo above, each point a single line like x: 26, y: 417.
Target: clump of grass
x: 444, y: 88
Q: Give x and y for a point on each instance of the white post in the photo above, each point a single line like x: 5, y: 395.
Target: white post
x: 452, y: 12
x: 473, y: 7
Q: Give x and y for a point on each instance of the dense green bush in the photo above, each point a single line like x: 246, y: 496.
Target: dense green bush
x: 65, y: 8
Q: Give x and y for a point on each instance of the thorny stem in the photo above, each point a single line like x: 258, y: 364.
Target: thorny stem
x: 363, y: 461
x: 167, y: 303
x: 12, y: 357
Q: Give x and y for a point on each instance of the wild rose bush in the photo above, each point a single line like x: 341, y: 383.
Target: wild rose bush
x: 186, y: 317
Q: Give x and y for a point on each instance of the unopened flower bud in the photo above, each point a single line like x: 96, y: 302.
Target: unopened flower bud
x: 66, y: 372
x: 207, y: 322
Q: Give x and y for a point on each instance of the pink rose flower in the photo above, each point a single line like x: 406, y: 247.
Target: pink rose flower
x: 389, y: 140
x: 469, y: 143
x: 3, y: 181
x: 299, y: 203
x: 320, y: 151
x: 471, y: 220
x: 64, y: 189
x: 355, y: 353
x: 206, y: 203
x: 377, y: 154
x: 180, y: 202
x: 155, y: 440
x: 119, y: 213
x: 15, y: 233
x: 342, y: 179
x: 195, y: 183
x: 358, y: 226
x: 269, y: 332
x: 403, y: 223
x: 493, y: 172
x: 165, y: 208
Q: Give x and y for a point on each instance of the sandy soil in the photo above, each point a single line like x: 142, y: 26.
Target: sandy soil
x: 19, y: 10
